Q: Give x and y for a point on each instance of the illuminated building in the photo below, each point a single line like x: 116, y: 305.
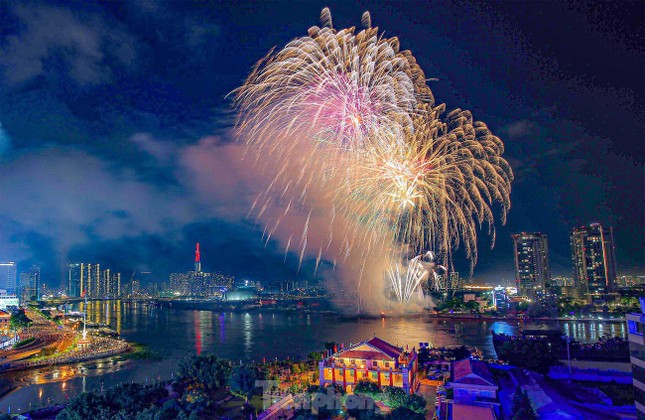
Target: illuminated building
x: 474, y: 392
x: 372, y: 359
x: 8, y: 300
x: 88, y: 279
x: 455, y: 281
x: 136, y: 287
x: 198, y: 283
x: 532, y: 272
x: 8, y: 276
x: 198, y: 260
x: 594, y: 261
x: 636, y: 328
x: 74, y: 279
x: 241, y: 293
x: 4, y: 322
x: 501, y: 300
x: 30, y: 284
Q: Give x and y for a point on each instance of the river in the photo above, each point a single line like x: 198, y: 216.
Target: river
x: 178, y: 333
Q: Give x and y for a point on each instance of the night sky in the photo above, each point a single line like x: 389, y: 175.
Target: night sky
x: 116, y: 142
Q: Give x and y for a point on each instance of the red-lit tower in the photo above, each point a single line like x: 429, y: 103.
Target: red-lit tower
x: 198, y: 260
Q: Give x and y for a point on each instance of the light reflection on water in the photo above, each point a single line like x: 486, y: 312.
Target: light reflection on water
x: 248, y: 336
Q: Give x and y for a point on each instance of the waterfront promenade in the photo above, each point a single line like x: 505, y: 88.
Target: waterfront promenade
x: 55, y: 344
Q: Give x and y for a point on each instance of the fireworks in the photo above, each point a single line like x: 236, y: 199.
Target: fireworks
x: 350, y: 116
x: 405, y: 281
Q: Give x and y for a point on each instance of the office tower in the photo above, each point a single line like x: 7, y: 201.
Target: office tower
x: 8, y: 277
x: 455, y: 281
x: 594, y: 260
x: 532, y: 271
x: 136, y: 287
x: 73, y: 279
x: 90, y: 279
x: 635, y: 329
x: 30, y: 284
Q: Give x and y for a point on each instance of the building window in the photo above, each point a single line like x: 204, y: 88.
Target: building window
x: 387, y: 364
x: 374, y: 363
x: 352, y: 362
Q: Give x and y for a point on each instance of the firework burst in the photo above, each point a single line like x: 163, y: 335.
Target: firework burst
x: 350, y: 116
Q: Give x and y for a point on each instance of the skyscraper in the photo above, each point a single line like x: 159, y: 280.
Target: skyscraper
x: 198, y: 260
x: 30, y: 284
x: 74, y: 279
x: 594, y: 260
x: 8, y: 277
x: 532, y: 272
x: 455, y: 281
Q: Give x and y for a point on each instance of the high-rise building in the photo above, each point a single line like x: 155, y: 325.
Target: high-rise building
x: 136, y: 287
x: 8, y: 277
x: 594, y: 261
x: 198, y: 260
x: 74, y: 279
x: 635, y: 329
x: 199, y: 283
x: 88, y: 279
x: 455, y: 281
x: 532, y: 272
x: 30, y: 284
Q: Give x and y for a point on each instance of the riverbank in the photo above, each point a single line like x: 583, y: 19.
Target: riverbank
x: 45, y: 343
x: 119, y: 347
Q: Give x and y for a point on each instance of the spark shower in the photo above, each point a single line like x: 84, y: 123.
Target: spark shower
x: 347, y: 129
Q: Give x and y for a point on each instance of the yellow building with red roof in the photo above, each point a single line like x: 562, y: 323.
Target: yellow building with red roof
x: 373, y: 359
x: 5, y: 317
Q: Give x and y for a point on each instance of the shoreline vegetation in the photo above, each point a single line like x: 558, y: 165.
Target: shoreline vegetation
x: 138, y: 351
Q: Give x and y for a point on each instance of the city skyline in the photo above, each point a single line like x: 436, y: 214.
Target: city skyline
x: 161, y: 178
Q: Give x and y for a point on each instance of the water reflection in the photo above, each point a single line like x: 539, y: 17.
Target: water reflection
x: 249, y: 336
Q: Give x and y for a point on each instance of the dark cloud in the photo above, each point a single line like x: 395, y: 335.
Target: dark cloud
x: 57, y: 42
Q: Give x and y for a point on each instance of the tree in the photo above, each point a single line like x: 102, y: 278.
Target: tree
x: 416, y: 403
x: 243, y: 379
x: 208, y: 371
x: 395, y: 397
x: 522, y: 408
x: 367, y: 388
x: 403, y: 413
x: 19, y: 320
x: 134, y: 397
x: 315, y: 356
x: 88, y: 405
x: 295, y: 369
x: 461, y: 353
x: 472, y: 305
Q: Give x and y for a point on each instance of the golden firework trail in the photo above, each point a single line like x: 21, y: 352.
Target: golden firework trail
x: 346, y: 118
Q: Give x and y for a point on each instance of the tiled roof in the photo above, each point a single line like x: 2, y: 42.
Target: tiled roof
x: 360, y: 354
x: 470, y: 412
x: 385, y: 347
x: 380, y: 348
x: 471, y: 372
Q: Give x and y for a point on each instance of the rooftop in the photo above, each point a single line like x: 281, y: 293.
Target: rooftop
x: 375, y: 348
x: 471, y: 372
